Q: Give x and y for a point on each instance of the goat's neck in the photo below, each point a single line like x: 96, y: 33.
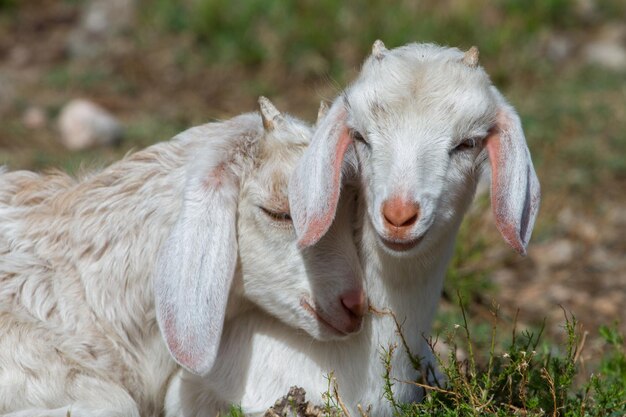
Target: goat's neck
x: 410, y: 287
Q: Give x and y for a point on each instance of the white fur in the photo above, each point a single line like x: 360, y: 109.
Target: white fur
x: 413, y: 105
x: 78, y: 321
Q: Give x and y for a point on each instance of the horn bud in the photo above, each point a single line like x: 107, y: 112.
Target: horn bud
x: 269, y: 113
x: 321, y: 112
x: 378, y: 49
x: 470, y: 58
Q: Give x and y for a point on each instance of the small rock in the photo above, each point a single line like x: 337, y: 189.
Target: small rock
x: 109, y: 16
x: 294, y: 404
x: 609, y: 48
x: 586, y: 9
x: 610, y: 55
x: 559, y: 47
x: 34, y: 118
x: 101, y: 21
x: 84, y: 124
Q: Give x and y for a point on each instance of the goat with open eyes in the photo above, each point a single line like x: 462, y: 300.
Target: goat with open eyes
x: 413, y: 134
x: 418, y: 127
x: 207, y: 212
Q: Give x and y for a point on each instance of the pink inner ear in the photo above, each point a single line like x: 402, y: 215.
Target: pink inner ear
x: 175, y: 344
x: 505, y: 220
x: 318, y: 225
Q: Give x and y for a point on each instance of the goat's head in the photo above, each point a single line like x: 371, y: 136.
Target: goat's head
x: 318, y: 289
x: 234, y: 237
x: 418, y: 125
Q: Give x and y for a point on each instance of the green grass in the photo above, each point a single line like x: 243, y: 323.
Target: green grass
x: 7, y: 4
x: 286, y: 33
x: 235, y: 411
x: 525, y: 377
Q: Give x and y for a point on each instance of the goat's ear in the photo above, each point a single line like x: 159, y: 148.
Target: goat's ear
x: 515, y: 190
x: 196, y: 264
x: 315, y: 184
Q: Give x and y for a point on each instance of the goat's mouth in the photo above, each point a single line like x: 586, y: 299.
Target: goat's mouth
x: 398, y: 245
x: 306, y: 305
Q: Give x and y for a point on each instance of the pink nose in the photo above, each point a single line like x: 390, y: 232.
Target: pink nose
x: 400, y: 214
x: 355, y: 302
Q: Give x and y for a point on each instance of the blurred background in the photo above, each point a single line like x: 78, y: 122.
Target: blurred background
x: 144, y: 70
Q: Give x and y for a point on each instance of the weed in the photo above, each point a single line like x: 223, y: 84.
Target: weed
x: 235, y: 411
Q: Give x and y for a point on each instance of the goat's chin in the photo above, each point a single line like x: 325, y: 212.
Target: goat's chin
x: 405, y: 247
x: 324, y: 328
x: 323, y: 334
x: 401, y: 248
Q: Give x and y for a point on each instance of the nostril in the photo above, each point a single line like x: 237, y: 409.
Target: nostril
x: 355, y: 303
x: 400, y: 213
x: 411, y: 221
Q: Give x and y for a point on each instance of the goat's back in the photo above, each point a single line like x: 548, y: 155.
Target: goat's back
x: 76, y: 304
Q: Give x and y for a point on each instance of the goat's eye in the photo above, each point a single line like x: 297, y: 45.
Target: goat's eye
x: 469, y: 143
x: 356, y: 135
x: 278, y: 216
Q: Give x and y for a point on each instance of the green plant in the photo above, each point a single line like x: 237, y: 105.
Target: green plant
x: 7, y: 4
x: 523, y: 379
x: 235, y: 411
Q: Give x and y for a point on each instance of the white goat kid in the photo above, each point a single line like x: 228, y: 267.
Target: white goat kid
x: 207, y: 212
x: 417, y: 127
x: 426, y: 120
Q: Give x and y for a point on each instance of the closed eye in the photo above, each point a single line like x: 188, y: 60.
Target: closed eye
x: 466, y: 144
x: 277, y: 216
x: 356, y: 135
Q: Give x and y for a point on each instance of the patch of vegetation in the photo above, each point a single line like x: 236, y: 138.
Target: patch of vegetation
x: 285, y: 33
x: 526, y: 378
x: 7, y: 4
x: 235, y: 411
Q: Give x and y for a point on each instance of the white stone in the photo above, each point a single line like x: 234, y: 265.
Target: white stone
x: 608, y: 54
x: 608, y: 49
x: 84, y: 124
x: 108, y: 16
x: 559, y: 47
x: 101, y: 22
x: 34, y: 118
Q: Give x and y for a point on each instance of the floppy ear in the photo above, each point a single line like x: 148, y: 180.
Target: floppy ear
x: 315, y: 184
x: 196, y: 264
x: 515, y: 190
